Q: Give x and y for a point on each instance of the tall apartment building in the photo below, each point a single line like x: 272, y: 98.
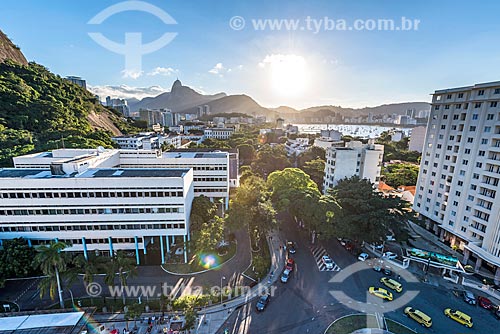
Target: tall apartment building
x: 355, y: 159
x: 417, y: 139
x: 77, y: 81
x: 458, y: 183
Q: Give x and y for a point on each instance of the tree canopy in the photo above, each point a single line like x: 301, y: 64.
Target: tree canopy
x: 269, y: 159
x: 397, y: 175
x: 366, y: 214
x: 16, y: 259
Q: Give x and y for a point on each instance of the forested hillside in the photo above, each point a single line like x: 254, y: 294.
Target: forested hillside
x: 40, y: 110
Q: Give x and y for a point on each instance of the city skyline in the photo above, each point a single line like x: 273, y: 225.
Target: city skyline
x: 302, y: 66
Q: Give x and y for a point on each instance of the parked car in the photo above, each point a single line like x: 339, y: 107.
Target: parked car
x: 349, y: 246
x: 327, y: 261
x: 363, y: 257
x: 262, y: 302
x: 418, y: 316
x: 485, y: 303
x: 290, y: 245
x: 387, y: 272
x: 285, y: 275
x: 391, y: 284
x: 377, y: 268
x: 469, y: 297
x: 289, y: 264
x: 381, y: 293
x: 389, y: 255
x: 459, y: 317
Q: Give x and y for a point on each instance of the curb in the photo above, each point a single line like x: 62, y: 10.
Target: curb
x: 345, y: 316
x: 202, y: 271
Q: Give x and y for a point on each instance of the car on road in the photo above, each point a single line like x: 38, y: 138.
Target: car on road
x: 285, y: 276
x: 290, y: 245
x: 469, y: 297
x: 486, y: 303
x: 418, y: 316
x: 327, y: 261
x: 391, y: 284
x: 377, y: 268
x: 387, y: 272
x: 289, y: 264
x: 363, y: 257
x: 262, y: 302
x: 381, y: 293
x: 390, y: 255
x: 459, y: 317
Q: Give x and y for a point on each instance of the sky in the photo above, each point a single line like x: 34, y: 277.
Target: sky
x: 319, y: 61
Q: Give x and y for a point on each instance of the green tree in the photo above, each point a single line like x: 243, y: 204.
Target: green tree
x: 397, y: 175
x: 269, y: 159
x: 89, y: 268
x: 312, y: 153
x: 53, y: 262
x: 246, y: 153
x: 122, y: 267
x: 316, y: 170
x: 366, y: 214
x: 16, y: 258
x: 202, y: 210
x: 209, y: 235
x: 134, y: 311
x: 285, y: 182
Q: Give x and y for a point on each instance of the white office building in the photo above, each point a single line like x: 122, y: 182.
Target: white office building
x: 297, y: 146
x: 99, y: 210
x: 355, y: 159
x: 210, y: 169
x: 417, y: 139
x: 218, y: 133
x: 326, y: 142
x: 458, y: 185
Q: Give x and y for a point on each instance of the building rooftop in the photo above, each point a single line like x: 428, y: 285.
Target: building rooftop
x: 95, y: 173
x: 59, y: 323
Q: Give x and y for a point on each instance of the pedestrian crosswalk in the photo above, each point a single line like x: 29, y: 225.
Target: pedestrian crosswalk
x: 318, y: 252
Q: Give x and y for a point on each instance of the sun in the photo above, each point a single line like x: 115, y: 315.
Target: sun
x: 288, y: 74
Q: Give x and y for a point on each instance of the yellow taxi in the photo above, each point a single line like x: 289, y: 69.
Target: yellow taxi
x: 418, y: 316
x: 459, y: 317
x: 381, y: 293
x: 391, y: 284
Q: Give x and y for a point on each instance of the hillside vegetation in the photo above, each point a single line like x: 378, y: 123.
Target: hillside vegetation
x: 40, y: 110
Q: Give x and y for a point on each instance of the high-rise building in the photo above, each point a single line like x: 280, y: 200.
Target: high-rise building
x: 355, y: 159
x: 77, y: 81
x: 458, y: 184
x: 417, y: 139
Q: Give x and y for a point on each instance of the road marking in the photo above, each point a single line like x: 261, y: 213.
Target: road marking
x: 318, y: 252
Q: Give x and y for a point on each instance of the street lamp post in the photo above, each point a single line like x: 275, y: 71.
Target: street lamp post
x: 221, y: 279
x: 72, y: 299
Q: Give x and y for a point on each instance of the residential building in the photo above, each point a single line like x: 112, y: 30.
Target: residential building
x: 158, y: 116
x: 332, y: 134
x: 397, y: 135
x: 218, y: 133
x: 77, y: 81
x: 458, y: 185
x: 99, y: 210
x: 417, y: 138
x: 296, y: 146
x: 120, y: 105
x: 326, y: 142
x: 355, y: 159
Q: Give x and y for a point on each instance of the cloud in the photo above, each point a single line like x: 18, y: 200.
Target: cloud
x: 133, y: 74
x: 126, y: 92
x: 273, y: 59
x: 165, y: 71
x: 218, y: 69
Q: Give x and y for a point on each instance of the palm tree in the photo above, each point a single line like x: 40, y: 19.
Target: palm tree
x: 123, y: 267
x: 53, y: 262
x: 88, y: 267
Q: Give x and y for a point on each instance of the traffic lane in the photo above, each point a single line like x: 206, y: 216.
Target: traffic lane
x: 434, y: 301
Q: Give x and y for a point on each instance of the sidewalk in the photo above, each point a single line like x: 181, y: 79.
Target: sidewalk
x: 213, y: 317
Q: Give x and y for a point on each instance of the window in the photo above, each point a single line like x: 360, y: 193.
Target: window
x: 479, y: 164
x: 480, y: 92
x: 448, y: 97
x: 470, y: 140
x: 436, y: 108
x: 458, y: 106
x: 493, y: 104
x: 487, y: 129
x: 467, y: 151
x: 472, y: 128
x: 455, y: 117
x: 477, y: 105
x: 484, y: 141
x: 497, y: 91
x: 460, y: 95
x: 447, y: 107
x: 475, y: 116
x: 482, y: 153
x: 445, y: 116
